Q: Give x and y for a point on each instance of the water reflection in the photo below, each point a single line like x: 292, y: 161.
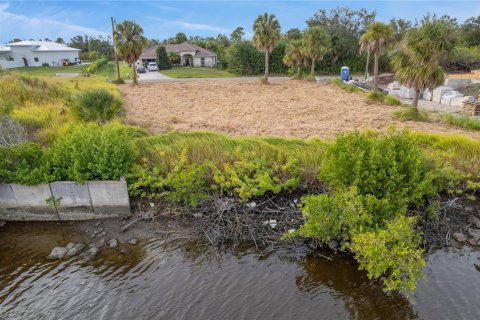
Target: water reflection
x: 163, y: 279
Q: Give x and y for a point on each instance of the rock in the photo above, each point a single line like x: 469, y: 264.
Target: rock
x: 104, y: 233
x: 98, y: 224
x: 407, y: 93
x: 476, y: 222
x: 427, y: 95
x: 468, y: 208
x: 75, y: 250
x: 447, y: 97
x: 152, y: 205
x: 252, y: 204
x: 133, y: 241
x: 113, y: 243
x: 332, y: 244
x: 456, y: 83
x: 271, y: 223
x: 459, y: 237
x: 57, y: 253
x: 438, y: 92
x: 90, y: 253
x: 70, y: 245
x: 395, y: 85
x: 197, y: 215
x: 2, y: 223
x: 475, y: 233
x: 472, y: 242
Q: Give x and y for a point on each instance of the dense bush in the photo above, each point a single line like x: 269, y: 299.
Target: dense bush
x: 93, y: 67
x: 97, y: 105
x: 163, y: 61
x: 250, y: 176
x: 243, y: 58
x: 90, y: 152
x: 374, y: 181
x: 22, y: 163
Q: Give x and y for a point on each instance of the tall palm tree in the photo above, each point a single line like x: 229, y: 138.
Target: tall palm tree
x: 266, y: 30
x: 417, y: 63
x: 295, y: 55
x: 129, y: 43
x: 375, y: 40
x: 317, y: 44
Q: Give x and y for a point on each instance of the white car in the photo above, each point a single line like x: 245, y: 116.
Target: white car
x: 152, y: 66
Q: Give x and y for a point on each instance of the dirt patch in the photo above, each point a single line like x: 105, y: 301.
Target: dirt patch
x: 283, y: 108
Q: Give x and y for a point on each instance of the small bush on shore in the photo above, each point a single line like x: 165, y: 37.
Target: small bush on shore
x: 97, y: 105
x: 90, y: 152
x: 22, y: 163
x: 412, y: 114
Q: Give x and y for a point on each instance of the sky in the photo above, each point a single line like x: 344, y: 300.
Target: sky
x: 162, y: 19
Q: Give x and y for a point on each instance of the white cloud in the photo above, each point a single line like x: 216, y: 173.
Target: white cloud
x: 41, y: 25
x: 189, y: 26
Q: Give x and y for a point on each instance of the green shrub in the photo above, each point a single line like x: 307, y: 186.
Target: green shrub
x: 163, y: 61
x: 251, y: 176
x: 391, y: 168
x: 391, y: 100
x: 23, y: 163
x: 187, y: 183
x: 93, y: 67
x: 392, y: 254
x: 382, y: 98
x: 333, y: 216
x: 91, y: 152
x: 97, y: 105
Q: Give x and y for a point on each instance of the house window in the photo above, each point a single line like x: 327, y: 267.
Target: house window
x: 202, y: 61
x: 36, y: 59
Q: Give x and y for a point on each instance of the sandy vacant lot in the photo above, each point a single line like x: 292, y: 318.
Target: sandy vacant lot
x: 244, y: 107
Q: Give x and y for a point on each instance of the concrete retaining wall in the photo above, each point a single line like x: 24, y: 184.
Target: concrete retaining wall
x: 64, y: 200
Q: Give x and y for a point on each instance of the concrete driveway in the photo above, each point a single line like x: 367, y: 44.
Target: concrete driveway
x: 151, y: 76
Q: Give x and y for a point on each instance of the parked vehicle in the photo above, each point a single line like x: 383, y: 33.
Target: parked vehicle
x: 140, y: 69
x: 152, y: 66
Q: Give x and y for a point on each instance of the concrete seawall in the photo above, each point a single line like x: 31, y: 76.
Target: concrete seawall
x: 64, y: 200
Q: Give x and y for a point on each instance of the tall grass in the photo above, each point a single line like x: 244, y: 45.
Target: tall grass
x: 462, y: 121
x: 382, y: 98
x: 345, y: 87
x: 412, y: 114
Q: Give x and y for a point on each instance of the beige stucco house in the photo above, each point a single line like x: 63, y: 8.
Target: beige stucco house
x: 35, y: 53
x: 190, y: 55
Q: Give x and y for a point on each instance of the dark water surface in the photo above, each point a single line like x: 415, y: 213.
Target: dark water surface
x: 158, y: 279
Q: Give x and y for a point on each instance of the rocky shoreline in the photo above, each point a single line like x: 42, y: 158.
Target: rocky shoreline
x: 224, y: 220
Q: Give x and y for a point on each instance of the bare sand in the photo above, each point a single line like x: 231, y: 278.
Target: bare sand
x: 283, y: 108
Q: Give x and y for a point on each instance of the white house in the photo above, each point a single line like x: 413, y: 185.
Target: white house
x: 190, y: 55
x: 35, y: 53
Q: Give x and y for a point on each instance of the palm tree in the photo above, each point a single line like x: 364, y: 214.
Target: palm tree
x: 266, y: 30
x: 417, y: 63
x: 295, y: 55
x: 129, y: 43
x: 317, y: 43
x: 374, y: 41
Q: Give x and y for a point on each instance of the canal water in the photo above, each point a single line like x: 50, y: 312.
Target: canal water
x: 163, y: 279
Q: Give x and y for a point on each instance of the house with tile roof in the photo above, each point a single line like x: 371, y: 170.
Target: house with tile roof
x: 190, y: 55
x: 35, y: 54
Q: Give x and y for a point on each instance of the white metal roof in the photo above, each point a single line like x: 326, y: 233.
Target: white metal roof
x: 42, y: 46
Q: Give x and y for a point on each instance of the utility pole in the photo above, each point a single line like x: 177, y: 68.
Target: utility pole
x: 114, y: 52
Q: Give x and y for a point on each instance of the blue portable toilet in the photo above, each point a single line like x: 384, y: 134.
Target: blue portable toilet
x: 345, y: 74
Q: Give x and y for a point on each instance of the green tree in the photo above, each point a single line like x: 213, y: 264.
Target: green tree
x: 180, y: 37
x: 293, y: 34
x: 266, y: 30
x: 470, y: 31
x: 163, y: 61
x: 374, y: 41
x: 237, y: 34
x: 60, y: 40
x: 295, y: 56
x: 417, y: 63
x: 129, y: 43
x: 174, y: 57
x: 317, y: 44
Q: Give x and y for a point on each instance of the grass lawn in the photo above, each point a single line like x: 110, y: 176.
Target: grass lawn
x: 188, y: 72
x: 107, y: 71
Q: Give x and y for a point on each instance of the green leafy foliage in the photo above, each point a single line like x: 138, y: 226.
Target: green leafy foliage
x: 244, y: 59
x: 163, y: 61
x: 93, y: 67
x: 97, y: 105
x: 90, y: 152
x: 250, y: 176
x: 22, y: 163
x: 392, y: 254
